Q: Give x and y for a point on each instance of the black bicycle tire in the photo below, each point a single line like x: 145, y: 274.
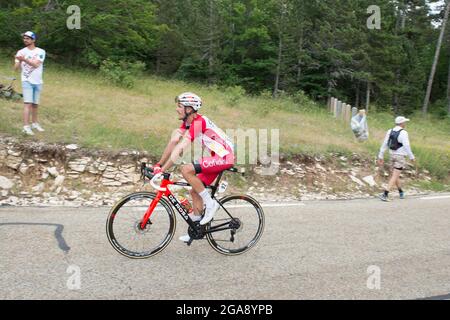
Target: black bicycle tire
x: 110, y: 230
x: 254, y: 241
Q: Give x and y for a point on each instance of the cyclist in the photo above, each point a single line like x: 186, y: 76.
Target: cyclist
x: 204, y: 171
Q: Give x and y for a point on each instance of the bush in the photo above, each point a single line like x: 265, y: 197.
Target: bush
x: 234, y: 94
x: 439, y: 109
x: 121, y: 73
x: 305, y: 102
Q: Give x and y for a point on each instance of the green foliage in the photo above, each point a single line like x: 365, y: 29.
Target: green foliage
x: 121, y: 73
x: 321, y: 48
x: 234, y: 94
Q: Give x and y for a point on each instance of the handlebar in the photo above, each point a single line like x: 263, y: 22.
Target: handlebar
x: 155, y: 186
x: 148, y: 173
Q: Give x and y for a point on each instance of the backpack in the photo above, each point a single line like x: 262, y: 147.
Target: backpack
x: 393, y: 143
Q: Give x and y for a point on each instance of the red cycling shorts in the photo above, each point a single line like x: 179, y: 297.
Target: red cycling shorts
x: 208, y: 168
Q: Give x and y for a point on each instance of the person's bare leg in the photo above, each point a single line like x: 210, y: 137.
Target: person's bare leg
x: 398, y: 183
x: 26, y: 113
x: 394, y: 178
x: 34, y: 113
x: 197, y: 202
x: 188, y: 173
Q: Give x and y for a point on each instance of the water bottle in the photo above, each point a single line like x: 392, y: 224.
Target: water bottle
x: 223, y: 186
x: 185, y: 203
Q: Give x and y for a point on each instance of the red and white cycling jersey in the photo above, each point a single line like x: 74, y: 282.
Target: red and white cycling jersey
x: 212, y: 137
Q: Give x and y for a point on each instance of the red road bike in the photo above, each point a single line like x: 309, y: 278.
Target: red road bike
x: 142, y: 224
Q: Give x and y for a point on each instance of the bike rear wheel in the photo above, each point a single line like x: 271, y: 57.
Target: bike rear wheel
x: 123, y: 226
x: 247, y: 225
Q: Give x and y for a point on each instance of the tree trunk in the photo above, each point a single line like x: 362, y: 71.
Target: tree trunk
x: 277, y: 75
x: 368, y: 96
x: 357, y: 95
x: 158, y: 64
x: 299, y: 60
x: 280, y: 50
x: 448, y: 90
x: 211, y: 44
x: 436, y: 59
x: 401, y: 21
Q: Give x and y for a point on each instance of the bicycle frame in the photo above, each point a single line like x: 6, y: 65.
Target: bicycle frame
x: 179, y: 207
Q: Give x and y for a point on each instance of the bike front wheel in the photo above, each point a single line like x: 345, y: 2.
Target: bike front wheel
x: 125, y: 233
x: 237, y: 225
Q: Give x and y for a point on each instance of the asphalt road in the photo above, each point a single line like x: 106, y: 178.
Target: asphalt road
x: 359, y: 249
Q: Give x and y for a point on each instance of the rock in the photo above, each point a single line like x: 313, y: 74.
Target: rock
x: 110, y: 173
x: 6, y: 183
x: 370, y: 181
x: 23, y: 169
x: 13, y: 201
x: 45, y: 176
x: 127, y: 169
x: 136, y: 177
x: 111, y: 183
x: 13, y: 162
x: 318, y: 166
x: 4, y: 193
x: 355, y: 179
x: 74, y: 174
x: 14, y: 153
x: 59, y: 181
x: 71, y: 147
x: 53, y: 172
x: 73, y: 195
x: 77, y: 166
x: 3, y: 154
x: 124, y: 178
x: 89, y: 180
x: 39, y: 188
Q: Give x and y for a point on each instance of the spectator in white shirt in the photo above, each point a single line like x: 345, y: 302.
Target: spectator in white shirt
x: 30, y: 61
x: 397, y: 141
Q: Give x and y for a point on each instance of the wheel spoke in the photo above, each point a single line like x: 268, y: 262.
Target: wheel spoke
x: 246, y: 212
x: 124, y: 230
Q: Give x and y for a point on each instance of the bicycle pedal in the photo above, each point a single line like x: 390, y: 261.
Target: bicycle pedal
x: 190, y: 241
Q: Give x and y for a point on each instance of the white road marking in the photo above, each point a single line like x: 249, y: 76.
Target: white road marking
x: 264, y: 205
x: 434, y: 198
x: 268, y: 205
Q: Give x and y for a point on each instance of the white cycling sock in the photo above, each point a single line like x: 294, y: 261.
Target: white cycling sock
x: 207, y: 200
x: 195, y: 217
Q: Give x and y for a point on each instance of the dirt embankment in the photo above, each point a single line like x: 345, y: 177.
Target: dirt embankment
x: 38, y: 173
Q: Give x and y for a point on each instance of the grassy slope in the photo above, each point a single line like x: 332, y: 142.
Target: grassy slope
x: 78, y: 107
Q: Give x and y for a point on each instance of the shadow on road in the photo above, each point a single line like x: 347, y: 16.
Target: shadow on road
x: 58, y: 232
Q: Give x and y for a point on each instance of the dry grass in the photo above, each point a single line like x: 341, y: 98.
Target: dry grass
x: 79, y: 107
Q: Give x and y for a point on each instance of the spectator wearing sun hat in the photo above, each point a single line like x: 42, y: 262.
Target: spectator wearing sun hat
x: 397, y: 141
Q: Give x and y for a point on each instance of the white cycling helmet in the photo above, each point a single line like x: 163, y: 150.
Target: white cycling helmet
x: 189, y: 99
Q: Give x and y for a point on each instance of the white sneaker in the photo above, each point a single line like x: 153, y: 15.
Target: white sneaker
x: 37, y: 126
x: 210, y: 212
x: 27, y: 130
x: 185, y: 238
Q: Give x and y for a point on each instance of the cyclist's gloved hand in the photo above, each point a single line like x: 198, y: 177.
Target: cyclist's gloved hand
x: 157, y: 168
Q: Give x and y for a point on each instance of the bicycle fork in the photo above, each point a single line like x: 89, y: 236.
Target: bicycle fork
x: 150, y: 209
